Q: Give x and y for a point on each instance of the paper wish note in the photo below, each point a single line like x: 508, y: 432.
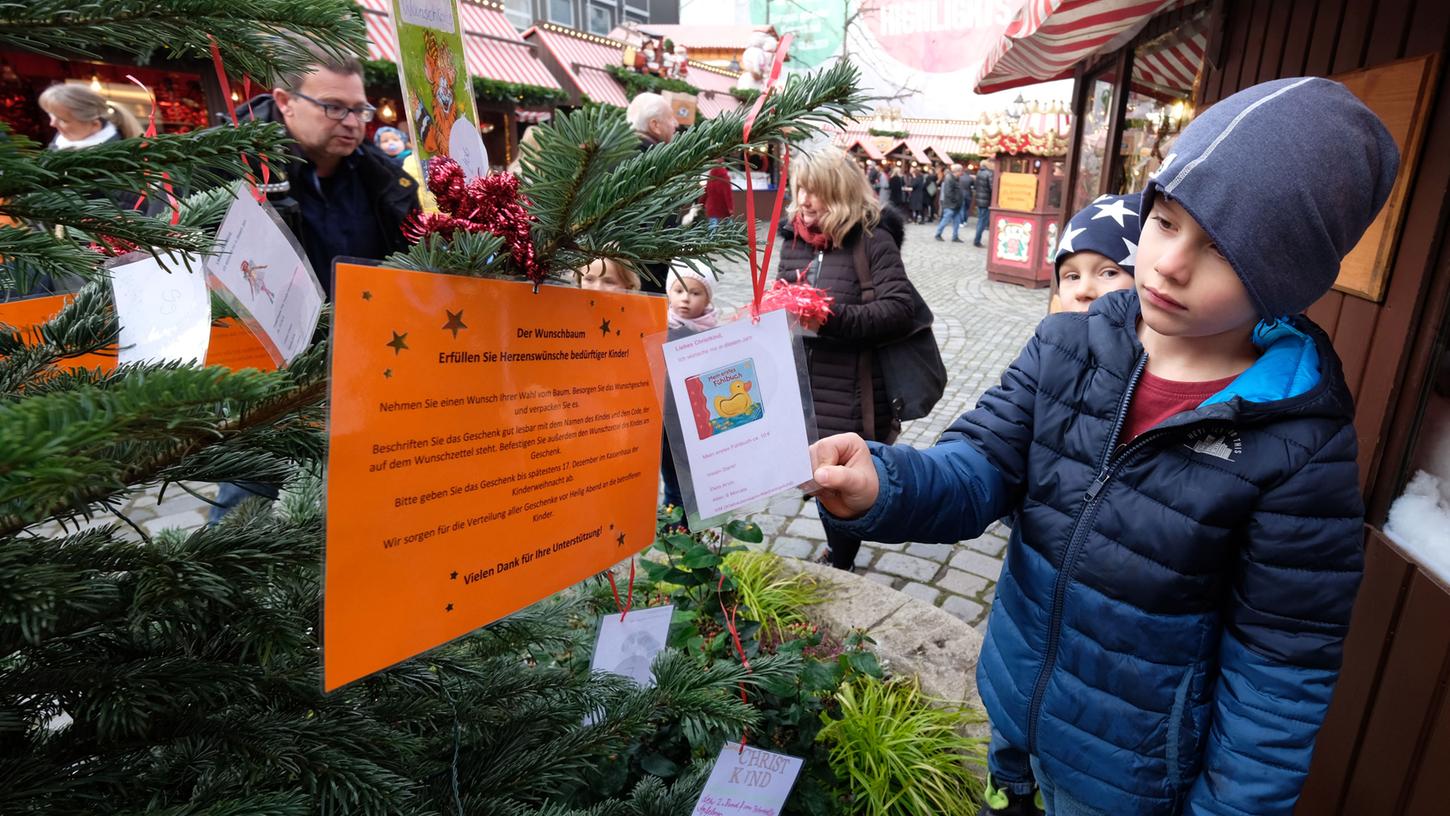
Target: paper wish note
x: 164, y: 312
x: 747, y: 781
x: 259, y: 269
x: 628, y: 647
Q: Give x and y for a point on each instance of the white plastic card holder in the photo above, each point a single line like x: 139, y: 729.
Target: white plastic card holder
x: 628, y: 646
x: 163, y: 307
x: 739, y: 415
x: 258, y: 267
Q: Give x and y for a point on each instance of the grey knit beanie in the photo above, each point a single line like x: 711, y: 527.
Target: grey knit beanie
x: 1285, y: 177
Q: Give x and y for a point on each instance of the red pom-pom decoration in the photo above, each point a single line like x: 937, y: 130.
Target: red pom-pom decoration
x: 490, y: 204
x: 806, y: 302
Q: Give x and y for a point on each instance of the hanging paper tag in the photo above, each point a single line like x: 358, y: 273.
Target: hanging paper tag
x: 164, y: 312
x: 628, y: 646
x: 260, y: 271
x: 747, y: 780
x: 740, y: 432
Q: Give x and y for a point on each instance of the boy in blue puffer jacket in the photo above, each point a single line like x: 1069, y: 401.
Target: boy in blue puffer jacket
x: 1180, y: 466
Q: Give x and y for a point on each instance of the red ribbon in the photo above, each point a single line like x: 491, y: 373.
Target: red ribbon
x: 739, y: 648
x: 629, y: 599
x: 760, y: 267
x: 165, y: 179
x: 221, y: 75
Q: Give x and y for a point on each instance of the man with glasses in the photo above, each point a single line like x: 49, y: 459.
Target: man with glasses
x: 340, y: 195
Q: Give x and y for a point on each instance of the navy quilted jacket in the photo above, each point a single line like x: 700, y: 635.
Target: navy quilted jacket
x: 1167, y: 628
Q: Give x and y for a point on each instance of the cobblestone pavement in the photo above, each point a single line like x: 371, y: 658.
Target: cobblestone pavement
x: 980, y: 327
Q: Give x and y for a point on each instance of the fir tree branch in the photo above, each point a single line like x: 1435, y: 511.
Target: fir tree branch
x: 586, y: 175
x: 190, y: 160
x: 261, y: 38
x: 190, y: 431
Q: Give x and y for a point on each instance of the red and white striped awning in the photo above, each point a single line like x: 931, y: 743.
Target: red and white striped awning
x: 1049, y: 37
x: 495, y: 49
x: 940, y: 136
x: 917, y: 149
x: 1171, y: 71
x: 583, y: 58
x: 492, y: 46
x: 867, y: 146
x: 715, y: 85
x: 381, y: 45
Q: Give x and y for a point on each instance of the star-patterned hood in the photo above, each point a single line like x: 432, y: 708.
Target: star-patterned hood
x: 1109, y: 226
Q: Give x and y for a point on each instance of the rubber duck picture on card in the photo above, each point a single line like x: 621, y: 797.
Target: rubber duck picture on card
x: 725, y: 398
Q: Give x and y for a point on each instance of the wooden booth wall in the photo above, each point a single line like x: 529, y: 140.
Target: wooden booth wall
x: 1383, y: 345
x: 1385, y: 743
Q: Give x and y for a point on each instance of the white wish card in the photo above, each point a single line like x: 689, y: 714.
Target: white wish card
x: 742, y: 434
x: 628, y: 647
x: 164, y: 309
x: 749, y: 781
x: 260, y: 270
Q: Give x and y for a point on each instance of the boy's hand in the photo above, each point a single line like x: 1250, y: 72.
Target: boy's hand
x: 846, y: 475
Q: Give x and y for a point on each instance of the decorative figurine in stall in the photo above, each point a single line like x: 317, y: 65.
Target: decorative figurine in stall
x: 680, y: 65
x: 652, y: 57
x: 756, y: 60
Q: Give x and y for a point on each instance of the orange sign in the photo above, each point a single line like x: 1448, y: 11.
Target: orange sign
x: 29, y: 314
x: 489, y: 446
x: 231, y: 344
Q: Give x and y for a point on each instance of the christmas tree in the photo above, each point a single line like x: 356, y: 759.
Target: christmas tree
x: 179, y: 673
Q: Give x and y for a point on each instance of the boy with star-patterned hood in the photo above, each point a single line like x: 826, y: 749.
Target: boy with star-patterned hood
x: 1179, y: 463
x: 1098, y: 251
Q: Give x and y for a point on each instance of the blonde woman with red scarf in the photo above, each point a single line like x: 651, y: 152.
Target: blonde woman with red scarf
x: 833, y: 211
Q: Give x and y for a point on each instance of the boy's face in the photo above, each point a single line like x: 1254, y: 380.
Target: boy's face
x: 688, y: 297
x: 603, y: 275
x: 1187, y: 288
x: 1086, y: 276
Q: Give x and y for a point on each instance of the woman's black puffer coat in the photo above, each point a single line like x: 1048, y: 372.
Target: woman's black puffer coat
x: 833, y: 357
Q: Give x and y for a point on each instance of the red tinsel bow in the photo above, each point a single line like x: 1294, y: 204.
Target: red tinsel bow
x: 806, y: 302
x: 489, y: 204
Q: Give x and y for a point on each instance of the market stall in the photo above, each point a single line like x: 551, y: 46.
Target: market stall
x: 1027, y: 196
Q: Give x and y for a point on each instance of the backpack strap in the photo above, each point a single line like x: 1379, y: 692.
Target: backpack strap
x: 864, y: 356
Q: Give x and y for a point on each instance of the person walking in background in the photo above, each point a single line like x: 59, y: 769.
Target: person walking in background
x: 832, y: 214
x: 933, y: 194
x: 719, y: 201
x: 898, y: 190
x: 953, y: 202
x: 918, y: 197
x: 982, y: 196
x: 654, y: 123
x: 883, y: 185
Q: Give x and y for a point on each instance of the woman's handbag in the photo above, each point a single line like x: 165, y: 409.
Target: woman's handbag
x: 912, y: 367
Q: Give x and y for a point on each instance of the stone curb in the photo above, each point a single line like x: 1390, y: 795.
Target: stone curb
x: 912, y: 636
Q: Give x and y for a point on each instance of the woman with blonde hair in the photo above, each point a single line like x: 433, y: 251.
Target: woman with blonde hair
x: 83, y: 118
x: 838, y: 236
